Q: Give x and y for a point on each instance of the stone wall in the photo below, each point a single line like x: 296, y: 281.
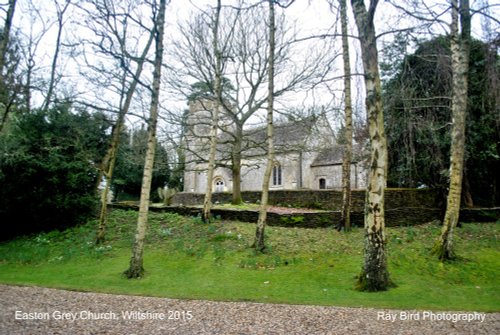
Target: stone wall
x: 403, y: 206
x: 323, y: 199
x: 403, y: 216
x: 323, y: 219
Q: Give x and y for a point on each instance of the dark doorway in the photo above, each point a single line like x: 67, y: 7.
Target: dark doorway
x: 322, y: 183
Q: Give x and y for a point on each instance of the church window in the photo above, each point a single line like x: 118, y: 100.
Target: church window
x: 322, y: 183
x: 277, y: 175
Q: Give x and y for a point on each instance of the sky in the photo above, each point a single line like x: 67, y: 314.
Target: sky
x: 310, y: 16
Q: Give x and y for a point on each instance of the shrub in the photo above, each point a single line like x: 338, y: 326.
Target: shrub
x: 48, y: 171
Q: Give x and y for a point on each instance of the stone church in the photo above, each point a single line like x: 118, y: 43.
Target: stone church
x: 307, y: 156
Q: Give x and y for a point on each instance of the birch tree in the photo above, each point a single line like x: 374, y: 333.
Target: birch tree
x: 439, y: 93
x: 136, y: 269
x: 60, y: 11
x: 460, y: 29
x: 118, y: 37
x: 109, y: 160
x: 207, y: 203
x: 259, y: 243
x: 345, y: 219
x: 374, y: 274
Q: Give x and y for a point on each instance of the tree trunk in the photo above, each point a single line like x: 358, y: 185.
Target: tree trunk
x: 52, y: 81
x: 374, y: 275
x: 207, y: 203
x: 236, y: 168
x: 27, y: 88
x: 4, y: 41
x: 4, y: 45
x: 259, y: 244
x: 459, y: 45
x: 109, y: 160
x: 345, y: 218
x: 136, y: 268
x: 466, y: 192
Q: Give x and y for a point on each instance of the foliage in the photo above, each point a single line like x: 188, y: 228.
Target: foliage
x: 186, y: 258
x: 418, y: 115
x: 48, y: 171
x: 129, y: 168
x: 293, y: 220
x: 205, y: 90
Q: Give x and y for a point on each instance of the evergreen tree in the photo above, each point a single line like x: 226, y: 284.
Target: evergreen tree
x: 48, y: 169
x: 130, y: 164
x: 418, y: 116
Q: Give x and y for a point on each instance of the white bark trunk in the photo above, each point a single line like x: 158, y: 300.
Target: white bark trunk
x: 109, y: 160
x: 136, y: 268
x: 459, y: 44
x: 259, y: 243
x: 345, y: 220
x: 207, y: 203
x: 374, y: 275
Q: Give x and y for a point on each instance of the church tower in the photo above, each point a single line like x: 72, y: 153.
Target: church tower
x: 197, y: 142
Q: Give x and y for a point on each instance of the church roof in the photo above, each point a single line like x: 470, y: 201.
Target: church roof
x: 334, y: 156
x: 289, y: 135
x: 329, y: 156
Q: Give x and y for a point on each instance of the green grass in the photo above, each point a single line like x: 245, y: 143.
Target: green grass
x: 185, y: 258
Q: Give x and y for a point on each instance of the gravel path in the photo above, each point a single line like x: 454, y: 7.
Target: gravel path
x: 67, y: 312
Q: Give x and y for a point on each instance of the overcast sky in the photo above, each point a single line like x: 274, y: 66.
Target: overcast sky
x: 311, y: 17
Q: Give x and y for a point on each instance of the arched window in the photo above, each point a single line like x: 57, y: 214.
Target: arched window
x: 219, y: 184
x: 277, y: 178
x: 322, y: 183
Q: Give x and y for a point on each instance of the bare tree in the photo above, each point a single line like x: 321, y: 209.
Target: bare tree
x: 207, y: 203
x: 136, y: 268
x: 61, y: 10
x: 109, y: 160
x: 259, y: 244
x: 245, y: 64
x: 374, y: 274
x: 4, y: 45
x: 109, y: 48
x: 460, y: 29
x: 4, y: 42
x: 121, y: 38
x: 33, y: 38
x: 345, y: 219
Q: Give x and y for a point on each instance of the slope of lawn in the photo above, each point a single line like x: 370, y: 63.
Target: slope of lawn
x: 185, y: 258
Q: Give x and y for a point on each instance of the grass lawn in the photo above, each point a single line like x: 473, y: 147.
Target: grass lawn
x: 185, y: 258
